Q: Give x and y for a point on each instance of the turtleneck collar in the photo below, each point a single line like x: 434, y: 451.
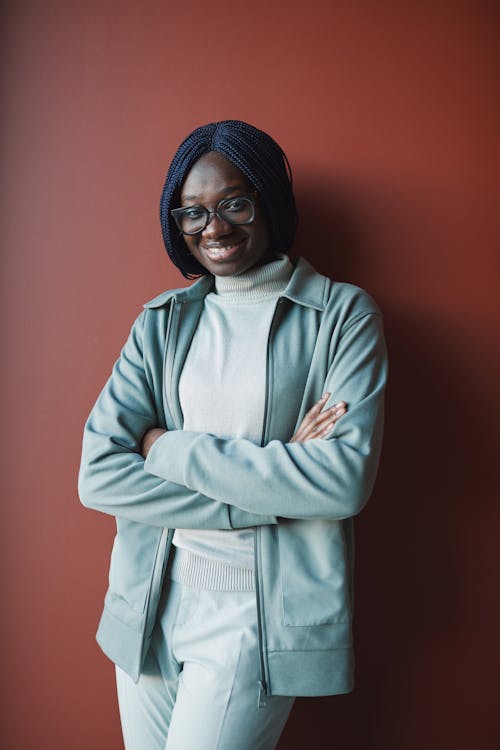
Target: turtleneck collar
x: 258, y: 283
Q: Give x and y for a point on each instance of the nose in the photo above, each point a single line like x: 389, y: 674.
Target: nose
x: 216, y: 226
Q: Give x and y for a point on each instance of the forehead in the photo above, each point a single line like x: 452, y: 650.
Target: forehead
x: 212, y: 177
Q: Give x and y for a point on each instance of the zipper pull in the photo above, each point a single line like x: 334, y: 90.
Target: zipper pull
x: 261, y: 697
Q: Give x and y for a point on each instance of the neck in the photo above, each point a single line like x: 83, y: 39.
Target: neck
x: 261, y: 281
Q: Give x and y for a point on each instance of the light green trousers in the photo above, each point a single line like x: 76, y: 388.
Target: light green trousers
x: 199, y: 686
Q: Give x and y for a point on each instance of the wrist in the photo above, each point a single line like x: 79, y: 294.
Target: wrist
x: 149, y: 439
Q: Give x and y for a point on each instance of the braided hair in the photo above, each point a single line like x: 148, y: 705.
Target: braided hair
x: 262, y: 162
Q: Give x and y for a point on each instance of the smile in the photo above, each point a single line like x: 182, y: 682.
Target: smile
x: 222, y: 252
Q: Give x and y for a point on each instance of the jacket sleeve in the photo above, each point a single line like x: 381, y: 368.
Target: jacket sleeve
x: 328, y: 478
x: 112, y: 477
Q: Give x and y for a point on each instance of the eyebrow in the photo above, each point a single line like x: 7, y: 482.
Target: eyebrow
x: 225, y: 191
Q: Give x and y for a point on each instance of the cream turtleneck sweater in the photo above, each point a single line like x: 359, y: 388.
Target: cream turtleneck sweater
x: 222, y: 391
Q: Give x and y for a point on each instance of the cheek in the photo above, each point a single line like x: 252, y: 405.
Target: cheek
x: 190, y: 244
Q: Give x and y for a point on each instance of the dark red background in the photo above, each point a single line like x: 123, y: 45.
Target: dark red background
x: 389, y: 114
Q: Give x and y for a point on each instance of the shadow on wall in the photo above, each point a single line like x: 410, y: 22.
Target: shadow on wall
x: 412, y: 539
x: 328, y: 233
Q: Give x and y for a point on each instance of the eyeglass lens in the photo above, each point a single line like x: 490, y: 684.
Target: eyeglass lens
x: 194, y: 219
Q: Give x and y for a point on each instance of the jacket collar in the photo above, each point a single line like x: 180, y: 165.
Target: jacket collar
x: 306, y: 287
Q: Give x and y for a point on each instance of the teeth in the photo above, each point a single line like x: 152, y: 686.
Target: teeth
x: 219, y: 250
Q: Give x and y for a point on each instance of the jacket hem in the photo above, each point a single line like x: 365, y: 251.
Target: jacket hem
x: 121, y: 643
x: 311, y: 673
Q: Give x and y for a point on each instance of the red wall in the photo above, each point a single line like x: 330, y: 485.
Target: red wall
x: 387, y: 111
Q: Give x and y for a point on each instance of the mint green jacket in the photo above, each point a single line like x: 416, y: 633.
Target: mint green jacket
x: 300, y: 497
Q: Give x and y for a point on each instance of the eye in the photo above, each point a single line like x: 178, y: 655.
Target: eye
x: 193, y: 212
x: 234, y: 204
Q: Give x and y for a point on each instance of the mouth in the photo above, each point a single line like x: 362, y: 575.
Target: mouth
x: 221, y: 252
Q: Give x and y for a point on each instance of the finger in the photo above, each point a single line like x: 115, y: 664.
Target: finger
x: 310, y: 417
x: 316, y: 418
x: 332, y: 414
x: 322, y: 424
x: 321, y: 432
x: 312, y: 414
x: 326, y: 430
x: 316, y: 409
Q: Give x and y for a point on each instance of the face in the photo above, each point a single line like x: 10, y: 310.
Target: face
x: 224, y: 249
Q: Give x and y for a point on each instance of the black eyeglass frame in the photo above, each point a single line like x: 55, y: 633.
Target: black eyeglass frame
x: 178, y: 212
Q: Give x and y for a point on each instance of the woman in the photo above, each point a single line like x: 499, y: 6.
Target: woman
x: 232, y: 470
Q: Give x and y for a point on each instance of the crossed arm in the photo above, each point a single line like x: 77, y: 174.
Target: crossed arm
x: 196, y: 480
x: 113, y: 480
x: 317, y: 423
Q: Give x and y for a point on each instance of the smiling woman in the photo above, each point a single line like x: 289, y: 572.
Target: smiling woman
x: 251, y: 161
x: 236, y: 438
x: 224, y: 246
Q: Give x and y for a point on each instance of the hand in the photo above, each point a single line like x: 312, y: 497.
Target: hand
x: 150, y: 437
x: 318, y: 421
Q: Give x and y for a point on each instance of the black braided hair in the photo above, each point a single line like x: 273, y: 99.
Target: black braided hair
x: 262, y: 162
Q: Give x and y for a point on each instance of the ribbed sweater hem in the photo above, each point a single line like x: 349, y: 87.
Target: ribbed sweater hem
x: 204, y: 573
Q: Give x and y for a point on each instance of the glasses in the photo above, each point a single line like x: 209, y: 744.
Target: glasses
x: 234, y: 211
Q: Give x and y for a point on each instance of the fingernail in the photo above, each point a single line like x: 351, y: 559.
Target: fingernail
x: 339, y: 404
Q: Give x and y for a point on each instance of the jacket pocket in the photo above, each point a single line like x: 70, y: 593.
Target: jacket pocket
x: 132, y: 562
x: 314, y: 572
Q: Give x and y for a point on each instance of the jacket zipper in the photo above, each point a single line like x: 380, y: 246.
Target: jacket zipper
x: 263, y: 684
x: 172, y: 324
x: 157, y: 576
x: 262, y: 689
x: 165, y: 543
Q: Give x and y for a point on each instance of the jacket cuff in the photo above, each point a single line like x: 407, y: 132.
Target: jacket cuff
x: 240, y: 519
x: 167, y: 456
